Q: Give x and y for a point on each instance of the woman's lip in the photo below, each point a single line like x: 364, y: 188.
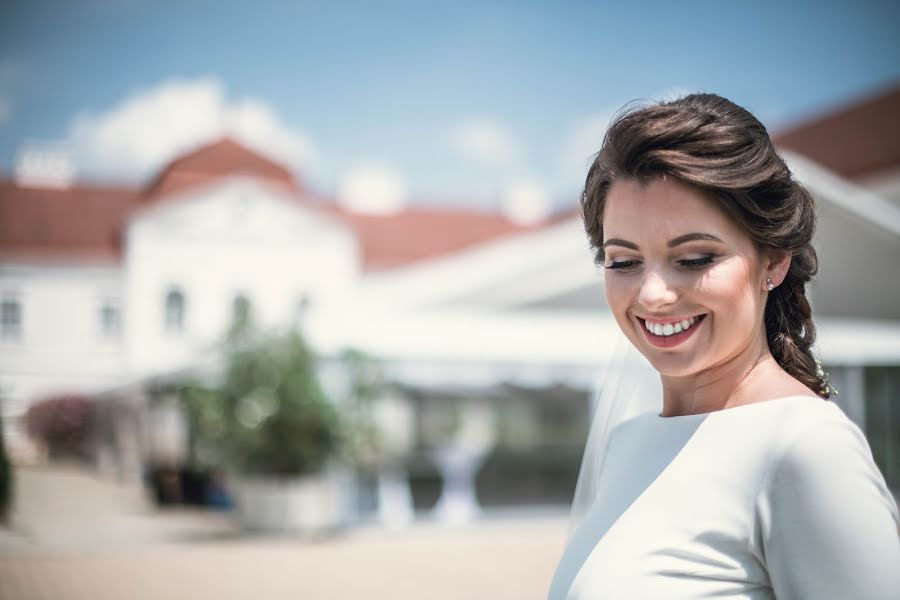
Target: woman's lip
x: 675, y: 339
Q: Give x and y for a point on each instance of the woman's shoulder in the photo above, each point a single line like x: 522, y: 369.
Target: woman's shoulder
x: 799, y: 418
x: 819, y: 450
x: 811, y: 406
x: 825, y: 502
x: 809, y: 429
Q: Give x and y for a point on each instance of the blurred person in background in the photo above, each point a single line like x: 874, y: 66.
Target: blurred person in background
x: 741, y: 480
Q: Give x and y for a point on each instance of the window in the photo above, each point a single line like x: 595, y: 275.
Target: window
x: 240, y: 308
x: 10, y: 318
x: 241, y: 314
x: 175, y: 311
x: 110, y: 319
x: 303, y: 305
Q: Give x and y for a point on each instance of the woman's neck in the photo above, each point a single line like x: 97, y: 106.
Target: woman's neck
x: 751, y: 376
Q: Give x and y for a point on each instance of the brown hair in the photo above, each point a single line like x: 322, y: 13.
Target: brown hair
x: 719, y: 148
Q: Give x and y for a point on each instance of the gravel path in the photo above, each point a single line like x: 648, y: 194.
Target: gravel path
x: 76, y: 537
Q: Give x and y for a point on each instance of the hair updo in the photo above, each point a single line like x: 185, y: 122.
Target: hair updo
x: 719, y: 148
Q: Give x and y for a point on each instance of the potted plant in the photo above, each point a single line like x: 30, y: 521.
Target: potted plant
x: 276, y: 433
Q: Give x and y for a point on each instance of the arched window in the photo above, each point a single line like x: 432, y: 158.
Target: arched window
x: 175, y: 311
x: 110, y: 318
x: 10, y: 318
x: 304, y: 303
x: 241, y: 313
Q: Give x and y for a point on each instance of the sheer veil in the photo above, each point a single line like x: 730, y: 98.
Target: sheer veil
x: 628, y: 387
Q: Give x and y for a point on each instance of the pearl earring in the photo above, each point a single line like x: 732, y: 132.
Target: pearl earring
x: 769, y: 285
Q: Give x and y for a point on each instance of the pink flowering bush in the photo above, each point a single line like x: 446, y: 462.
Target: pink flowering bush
x: 65, y: 424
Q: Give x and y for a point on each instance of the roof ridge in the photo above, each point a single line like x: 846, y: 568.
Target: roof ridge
x: 217, y: 158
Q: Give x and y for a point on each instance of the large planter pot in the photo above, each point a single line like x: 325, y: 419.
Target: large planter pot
x: 312, y: 505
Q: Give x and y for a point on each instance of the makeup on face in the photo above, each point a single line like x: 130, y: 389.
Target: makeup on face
x: 678, y: 273
x: 669, y: 332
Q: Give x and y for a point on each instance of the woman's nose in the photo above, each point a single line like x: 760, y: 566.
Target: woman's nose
x: 656, y: 291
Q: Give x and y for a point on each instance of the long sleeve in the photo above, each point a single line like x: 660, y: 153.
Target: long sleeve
x: 827, y: 523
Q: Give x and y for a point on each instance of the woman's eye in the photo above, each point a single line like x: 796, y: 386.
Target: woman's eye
x: 696, y: 263
x: 618, y: 265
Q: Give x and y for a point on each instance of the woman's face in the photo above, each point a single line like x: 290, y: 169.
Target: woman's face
x: 676, y: 264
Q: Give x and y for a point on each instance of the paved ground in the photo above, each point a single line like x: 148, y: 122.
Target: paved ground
x: 76, y: 537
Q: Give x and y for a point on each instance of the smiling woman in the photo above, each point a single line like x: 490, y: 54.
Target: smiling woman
x: 743, y: 481
x: 674, y: 256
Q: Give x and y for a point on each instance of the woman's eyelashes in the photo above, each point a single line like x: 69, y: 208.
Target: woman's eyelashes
x: 697, y: 263
x: 629, y: 264
x: 617, y: 265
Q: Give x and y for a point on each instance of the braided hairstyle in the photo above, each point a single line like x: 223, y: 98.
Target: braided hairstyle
x: 719, y: 148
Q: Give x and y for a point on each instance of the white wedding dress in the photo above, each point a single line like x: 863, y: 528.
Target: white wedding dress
x: 777, y: 499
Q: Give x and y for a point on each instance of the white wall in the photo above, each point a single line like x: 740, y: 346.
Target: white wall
x: 62, y: 345
x: 236, y: 237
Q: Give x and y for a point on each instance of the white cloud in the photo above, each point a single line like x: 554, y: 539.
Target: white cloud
x: 487, y: 141
x: 525, y: 201
x: 255, y: 123
x: 372, y: 188
x: 152, y: 126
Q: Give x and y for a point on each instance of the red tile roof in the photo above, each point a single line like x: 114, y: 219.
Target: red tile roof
x: 419, y: 233
x: 856, y: 140
x: 87, y: 222
x: 214, y: 161
x: 77, y: 223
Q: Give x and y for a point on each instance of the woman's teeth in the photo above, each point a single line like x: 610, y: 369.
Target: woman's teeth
x: 670, y: 328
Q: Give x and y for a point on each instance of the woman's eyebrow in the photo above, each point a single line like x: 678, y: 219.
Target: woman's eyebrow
x: 618, y: 242
x: 690, y: 237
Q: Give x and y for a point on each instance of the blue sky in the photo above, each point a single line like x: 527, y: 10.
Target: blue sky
x: 461, y: 102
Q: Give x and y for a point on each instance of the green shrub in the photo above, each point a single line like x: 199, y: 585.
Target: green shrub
x: 269, y: 416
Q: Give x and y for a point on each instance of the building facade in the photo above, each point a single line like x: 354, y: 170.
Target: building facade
x: 497, y: 325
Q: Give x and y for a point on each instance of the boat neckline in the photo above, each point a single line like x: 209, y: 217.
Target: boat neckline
x: 778, y: 400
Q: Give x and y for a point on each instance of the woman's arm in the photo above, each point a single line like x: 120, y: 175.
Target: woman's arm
x: 829, y: 525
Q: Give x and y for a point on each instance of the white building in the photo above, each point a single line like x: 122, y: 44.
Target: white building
x: 103, y: 286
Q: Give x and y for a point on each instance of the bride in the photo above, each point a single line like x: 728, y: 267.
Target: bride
x: 741, y: 479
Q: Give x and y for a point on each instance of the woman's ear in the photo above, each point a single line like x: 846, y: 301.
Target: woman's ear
x: 777, y: 264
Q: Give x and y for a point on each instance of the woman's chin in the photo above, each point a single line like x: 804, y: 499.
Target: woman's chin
x: 669, y: 365
x: 674, y: 356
